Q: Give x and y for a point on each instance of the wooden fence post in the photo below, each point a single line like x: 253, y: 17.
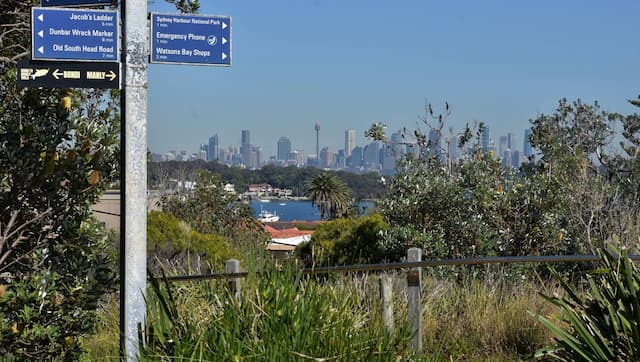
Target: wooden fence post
x: 386, y: 298
x: 232, y: 266
x: 414, y: 284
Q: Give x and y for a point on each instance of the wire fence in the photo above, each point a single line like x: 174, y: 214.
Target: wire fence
x: 552, y: 259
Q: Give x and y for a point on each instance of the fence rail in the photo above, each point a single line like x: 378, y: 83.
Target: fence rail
x: 414, y: 280
x: 404, y: 265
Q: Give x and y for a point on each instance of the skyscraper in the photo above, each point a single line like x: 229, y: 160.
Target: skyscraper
x: 527, y: 144
x: 245, y: 137
x: 213, y: 149
x: 349, y: 141
x: 284, y: 149
x: 484, y: 138
x: 245, y: 148
x: 317, y: 128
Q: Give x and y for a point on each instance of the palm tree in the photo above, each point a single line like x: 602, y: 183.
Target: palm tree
x: 329, y: 194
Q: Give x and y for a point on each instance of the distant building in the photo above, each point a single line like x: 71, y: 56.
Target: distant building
x: 516, y: 159
x: 527, y: 143
x: 371, y: 156
x: 327, y: 158
x: 213, y: 151
x: 284, y: 149
x: 156, y: 157
x: 503, y: 145
x: 485, y: 140
x: 349, y: 142
x: 298, y: 157
x: 354, y: 161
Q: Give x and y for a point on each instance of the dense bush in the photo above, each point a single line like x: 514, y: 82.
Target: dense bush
x: 346, y: 241
x: 173, y: 242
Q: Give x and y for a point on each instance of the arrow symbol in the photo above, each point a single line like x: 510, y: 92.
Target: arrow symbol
x: 224, y: 56
x: 224, y: 25
x: 111, y: 75
x: 56, y: 74
x: 41, y: 17
x: 41, y: 33
x: 41, y: 50
x: 224, y: 40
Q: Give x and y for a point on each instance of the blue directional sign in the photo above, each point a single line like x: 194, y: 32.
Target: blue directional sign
x: 74, y: 34
x: 77, y: 2
x: 191, y: 39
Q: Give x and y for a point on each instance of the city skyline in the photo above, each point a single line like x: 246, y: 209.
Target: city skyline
x: 349, y: 64
x: 372, y: 156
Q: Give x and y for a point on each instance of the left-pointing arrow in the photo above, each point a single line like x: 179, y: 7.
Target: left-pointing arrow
x: 41, y: 33
x: 41, y: 17
x: 57, y: 74
x: 41, y: 50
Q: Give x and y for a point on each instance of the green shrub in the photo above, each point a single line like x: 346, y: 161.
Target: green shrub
x: 603, y: 323
x: 171, y: 241
x: 346, y: 241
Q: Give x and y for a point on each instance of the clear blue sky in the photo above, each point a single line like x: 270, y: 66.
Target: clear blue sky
x: 347, y: 63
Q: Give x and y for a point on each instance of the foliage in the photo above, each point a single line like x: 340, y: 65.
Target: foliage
x: 282, y: 316
x: 59, y: 151
x: 171, y: 241
x: 210, y: 210
x: 603, y: 322
x: 563, y: 204
x: 345, y: 241
x: 329, y: 194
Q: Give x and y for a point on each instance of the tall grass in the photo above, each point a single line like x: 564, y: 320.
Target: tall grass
x: 286, y: 316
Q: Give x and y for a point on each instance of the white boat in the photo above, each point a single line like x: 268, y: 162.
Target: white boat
x: 266, y: 216
x: 265, y: 200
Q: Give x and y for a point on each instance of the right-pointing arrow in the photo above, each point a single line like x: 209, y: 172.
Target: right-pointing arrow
x: 41, y: 50
x: 224, y: 25
x: 41, y: 33
x: 224, y: 40
x: 224, y: 56
x: 41, y: 17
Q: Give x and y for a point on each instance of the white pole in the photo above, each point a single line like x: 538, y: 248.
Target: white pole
x: 134, y: 55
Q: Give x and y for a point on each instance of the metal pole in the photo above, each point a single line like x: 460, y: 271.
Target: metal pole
x: 134, y: 54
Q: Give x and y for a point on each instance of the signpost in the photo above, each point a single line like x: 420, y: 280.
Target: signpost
x: 191, y: 39
x: 74, y: 34
x: 89, y: 40
x: 68, y: 74
x: 77, y: 2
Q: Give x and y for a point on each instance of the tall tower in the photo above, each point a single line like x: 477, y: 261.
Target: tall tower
x: 484, y: 139
x: 284, y: 149
x: 213, y: 148
x: 317, y: 128
x: 527, y: 143
x: 349, y: 141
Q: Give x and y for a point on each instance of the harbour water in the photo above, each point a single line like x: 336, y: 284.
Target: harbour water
x: 290, y: 210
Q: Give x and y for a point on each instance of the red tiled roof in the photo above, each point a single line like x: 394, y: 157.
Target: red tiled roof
x: 286, y: 233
